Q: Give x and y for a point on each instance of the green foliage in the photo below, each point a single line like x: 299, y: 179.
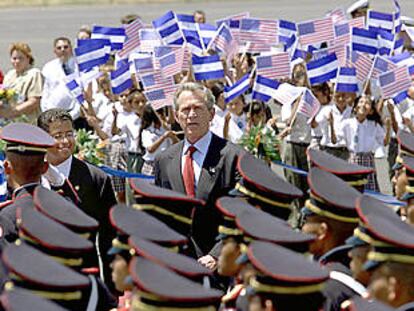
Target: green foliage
x: 88, y: 147
x: 262, y: 142
x: 22, y: 119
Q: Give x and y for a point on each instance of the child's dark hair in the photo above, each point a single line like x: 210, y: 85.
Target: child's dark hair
x: 149, y: 117
x: 374, y: 115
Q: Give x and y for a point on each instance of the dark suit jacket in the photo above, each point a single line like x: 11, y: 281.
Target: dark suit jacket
x: 96, y: 198
x: 218, y: 176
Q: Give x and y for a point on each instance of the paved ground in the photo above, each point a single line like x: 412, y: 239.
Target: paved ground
x: 39, y: 25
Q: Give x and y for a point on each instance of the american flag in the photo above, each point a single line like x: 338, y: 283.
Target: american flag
x: 394, y: 82
x: 273, y: 66
x: 186, y: 59
x: 258, y: 30
x: 161, y: 51
x: 233, y: 22
x: 171, y: 64
x: 316, y: 31
x: 255, y: 47
x: 149, y: 39
x: 363, y: 63
x: 132, y: 41
x: 358, y: 22
x: 155, y: 81
x: 142, y: 63
x: 222, y: 39
x: 381, y: 65
x: 159, y: 98
x: 234, y: 17
x: 341, y: 51
x: 308, y: 105
x: 338, y: 16
x: 342, y: 33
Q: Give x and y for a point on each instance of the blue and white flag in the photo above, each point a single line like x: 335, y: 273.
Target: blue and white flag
x: 3, y: 180
x: 117, y: 36
x: 207, y: 67
x: 385, y: 42
x: 187, y: 23
x: 291, y: 43
x: 400, y: 97
x: 264, y: 88
x: 398, y: 46
x: 346, y: 80
x: 168, y: 29
x: 378, y: 21
x: 286, y: 30
x: 75, y: 87
x: 89, y: 76
x: 121, y: 79
x: 397, y: 17
x: 237, y: 89
x: 92, y: 54
x: 323, y: 69
x: 365, y: 41
x: 298, y: 56
x: 206, y: 32
x: 404, y: 59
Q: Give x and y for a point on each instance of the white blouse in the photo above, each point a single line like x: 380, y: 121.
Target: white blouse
x: 362, y: 137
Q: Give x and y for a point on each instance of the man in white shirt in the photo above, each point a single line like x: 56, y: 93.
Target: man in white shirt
x: 55, y: 93
x: 297, y: 137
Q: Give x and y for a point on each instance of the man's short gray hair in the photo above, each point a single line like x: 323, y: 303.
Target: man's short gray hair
x: 195, y: 87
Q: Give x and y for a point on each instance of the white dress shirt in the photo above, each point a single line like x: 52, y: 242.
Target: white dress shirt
x: 65, y: 166
x: 362, y: 137
x: 338, y: 118
x: 198, y: 156
x: 55, y: 92
x: 148, y: 137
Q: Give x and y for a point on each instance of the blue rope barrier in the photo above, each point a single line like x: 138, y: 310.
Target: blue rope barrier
x: 385, y: 198
x: 123, y: 174
x: 291, y: 168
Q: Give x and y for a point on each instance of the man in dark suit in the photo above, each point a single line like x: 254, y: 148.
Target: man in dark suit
x: 93, y: 186
x: 202, y: 165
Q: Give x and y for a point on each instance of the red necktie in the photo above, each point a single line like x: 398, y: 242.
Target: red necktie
x: 188, y: 172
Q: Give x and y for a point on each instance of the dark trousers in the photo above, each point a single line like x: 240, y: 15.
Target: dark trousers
x: 295, y: 155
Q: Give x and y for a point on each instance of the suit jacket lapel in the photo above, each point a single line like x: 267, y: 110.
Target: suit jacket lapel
x: 176, y: 179
x: 211, y: 168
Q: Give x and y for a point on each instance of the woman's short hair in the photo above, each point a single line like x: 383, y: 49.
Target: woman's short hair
x: 23, y: 48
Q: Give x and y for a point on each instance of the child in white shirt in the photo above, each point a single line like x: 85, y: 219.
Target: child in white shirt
x: 153, y: 138
x: 363, y: 134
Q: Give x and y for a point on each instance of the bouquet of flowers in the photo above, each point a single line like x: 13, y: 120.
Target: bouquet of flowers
x: 262, y: 142
x: 88, y: 147
x: 7, y: 95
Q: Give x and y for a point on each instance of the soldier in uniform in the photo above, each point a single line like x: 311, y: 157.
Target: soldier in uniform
x: 285, y: 280
x: 330, y: 214
x: 391, y: 258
